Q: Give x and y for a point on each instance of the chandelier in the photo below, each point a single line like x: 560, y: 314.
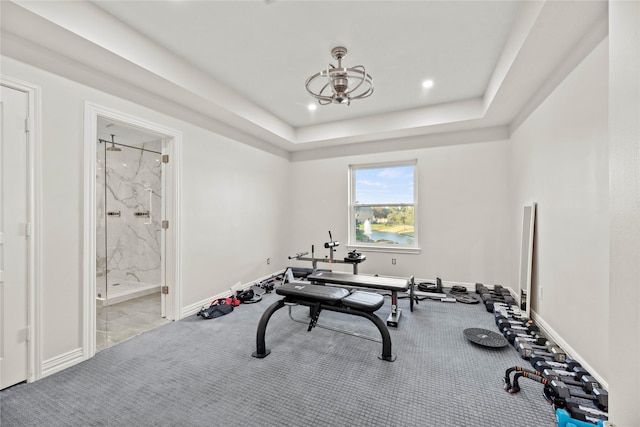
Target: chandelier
x: 340, y: 85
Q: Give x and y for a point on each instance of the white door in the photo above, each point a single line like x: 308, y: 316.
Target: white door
x: 14, y: 243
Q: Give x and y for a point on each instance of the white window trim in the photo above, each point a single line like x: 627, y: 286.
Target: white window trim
x: 352, y: 244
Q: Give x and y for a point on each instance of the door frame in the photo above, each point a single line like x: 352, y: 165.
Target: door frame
x: 172, y: 214
x: 34, y: 213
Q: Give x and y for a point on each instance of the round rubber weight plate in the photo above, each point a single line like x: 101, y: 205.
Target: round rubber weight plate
x: 466, y: 299
x: 485, y: 337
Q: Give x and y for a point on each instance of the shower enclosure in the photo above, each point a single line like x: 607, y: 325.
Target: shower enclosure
x: 129, y: 212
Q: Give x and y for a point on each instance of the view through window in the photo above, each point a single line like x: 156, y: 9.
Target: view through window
x: 383, y: 205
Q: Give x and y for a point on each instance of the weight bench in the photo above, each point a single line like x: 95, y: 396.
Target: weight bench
x: 392, y: 284
x: 319, y: 298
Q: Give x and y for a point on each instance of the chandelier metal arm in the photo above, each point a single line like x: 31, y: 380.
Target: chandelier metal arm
x: 342, y: 84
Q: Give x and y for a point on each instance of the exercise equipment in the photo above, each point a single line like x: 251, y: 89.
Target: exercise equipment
x: 567, y: 420
x: 517, y: 325
x: 459, y: 294
x: 514, y: 387
x: 431, y: 287
x: 545, y: 346
x: 485, y: 338
x: 582, y: 412
x: 269, y: 283
x: 392, y: 284
x: 526, y: 350
x: 498, y: 297
x: 432, y: 291
x: 319, y: 298
x: 535, y: 338
x: 507, y: 310
x: 557, y: 392
x: 354, y: 258
x: 466, y: 299
x: 574, y: 408
x: 502, y: 314
x: 585, y: 381
x: 540, y: 363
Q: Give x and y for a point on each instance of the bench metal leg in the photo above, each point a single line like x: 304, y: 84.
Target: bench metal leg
x: 394, y: 316
x: 386, y: 337
x: 384, y: 331
x: 261, y: 348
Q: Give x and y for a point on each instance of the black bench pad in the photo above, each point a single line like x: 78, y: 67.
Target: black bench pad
x: 309, y: 292
x: 366, y: 301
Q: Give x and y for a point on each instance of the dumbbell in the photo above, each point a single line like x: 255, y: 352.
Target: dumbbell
x: 517, y: 321
x: 584, y: 413
x: 517, y: 325
x: 499, y: 297
x: 568, y: 368
x: 503, y: 314
x: 536, y: 339
x: 559, y: 392
x: 540, y: 363
x: 502, y: 296
x: 526, y: 350
x: 508, y: 310
x: 585, y: 380
x: 498, y: 292
x: 492, y: 302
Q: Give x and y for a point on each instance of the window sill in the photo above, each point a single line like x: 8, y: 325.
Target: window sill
x: 388, y: 249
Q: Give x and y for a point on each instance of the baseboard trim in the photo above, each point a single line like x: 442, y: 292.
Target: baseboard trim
x: 555, y: 336
x: 570, y: 351
x: 62, y: 362
x: 195, y: 307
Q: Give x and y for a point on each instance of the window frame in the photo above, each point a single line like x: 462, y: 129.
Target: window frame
x: 368, y: 247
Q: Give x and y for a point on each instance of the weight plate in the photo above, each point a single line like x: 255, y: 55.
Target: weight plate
x: 485, y: 338
x: 255, y: 299
x: 466, y: 299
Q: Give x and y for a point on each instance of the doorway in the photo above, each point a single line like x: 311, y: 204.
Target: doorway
x: 131, y: 227
x: 129, y: 207
x: 19, y: 232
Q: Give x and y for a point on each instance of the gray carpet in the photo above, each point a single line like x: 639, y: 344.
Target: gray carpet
x: 200, y: 372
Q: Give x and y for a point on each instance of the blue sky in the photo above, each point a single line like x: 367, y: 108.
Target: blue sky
x: 389, y: 185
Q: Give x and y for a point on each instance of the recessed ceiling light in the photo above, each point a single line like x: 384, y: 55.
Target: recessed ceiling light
x: 312, y: 107
x: 427, y: 84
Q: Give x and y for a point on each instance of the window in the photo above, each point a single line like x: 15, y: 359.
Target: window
x: 383, y: 206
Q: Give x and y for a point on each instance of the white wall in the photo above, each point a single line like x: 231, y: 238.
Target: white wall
x: 232, y: 216
x: 462, y: 213
x: 624, y: 192
x: 558, y: 158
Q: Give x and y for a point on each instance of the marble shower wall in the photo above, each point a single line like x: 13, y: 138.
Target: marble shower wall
x: 129, y: 212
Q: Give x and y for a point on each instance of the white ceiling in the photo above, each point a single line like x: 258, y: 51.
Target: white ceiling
x: 265, y: 52
x: 239, y: 67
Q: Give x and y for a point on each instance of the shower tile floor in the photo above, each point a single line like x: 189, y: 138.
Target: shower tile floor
x: 121, y: 290
x: 118, y: 322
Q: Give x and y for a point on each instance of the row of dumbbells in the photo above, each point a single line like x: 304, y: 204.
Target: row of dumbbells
x: 525, y: 336
x: 567, y: 385
x: 499, y: 296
